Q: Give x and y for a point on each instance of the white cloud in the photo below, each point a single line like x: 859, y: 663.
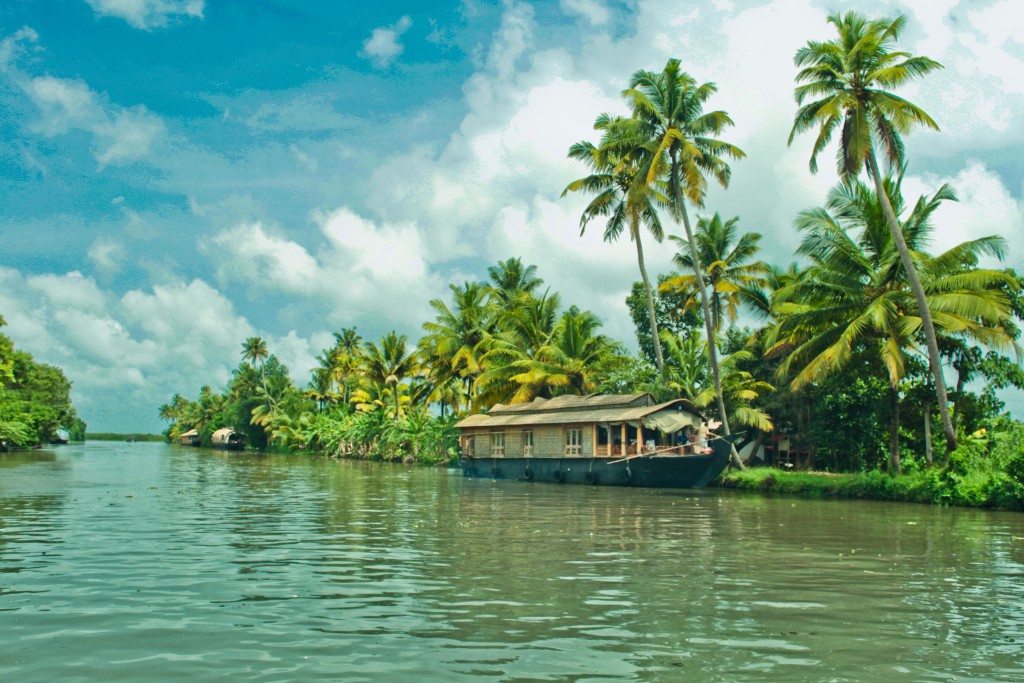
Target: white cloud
x: 121, y: 134
x: 11, y: 45
x: 985, y: 207
x: 107, y: 254
x: 149, y: 14
x: 383, y: 46
x: 363, y: 268
x: 593, y: 11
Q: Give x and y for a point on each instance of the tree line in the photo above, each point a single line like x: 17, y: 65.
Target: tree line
x: 35, y: 400
x: 842, y: 350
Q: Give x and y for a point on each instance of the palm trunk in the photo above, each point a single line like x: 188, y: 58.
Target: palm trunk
x: 659, y: 359
x: 960, y: 376
x: 708, y: 326
x: 928, y: 456
x: 927, y: 326
x: 894, y: 431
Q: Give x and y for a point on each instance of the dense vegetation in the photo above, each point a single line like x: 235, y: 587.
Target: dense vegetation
x: 843, y: 351
x: 35, y: 400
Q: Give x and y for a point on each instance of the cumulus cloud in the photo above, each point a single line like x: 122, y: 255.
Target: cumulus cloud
x: 384, y: 46
x: 142, y: 346
x: 363, y: 268
x: 121, y: 135
x: 149, y: 14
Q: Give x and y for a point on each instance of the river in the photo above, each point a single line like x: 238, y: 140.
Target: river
x: 147, y: 562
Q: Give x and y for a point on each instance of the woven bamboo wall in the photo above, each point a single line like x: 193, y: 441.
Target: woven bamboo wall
x: 548, y: 441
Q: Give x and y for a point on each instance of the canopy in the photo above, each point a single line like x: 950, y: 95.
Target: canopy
x: 670, y: 421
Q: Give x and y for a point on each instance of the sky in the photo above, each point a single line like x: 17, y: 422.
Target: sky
x: 178, y: 175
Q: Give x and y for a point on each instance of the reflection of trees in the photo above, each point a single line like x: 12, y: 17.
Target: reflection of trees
x: 29, y: 510
x: 539, y: 581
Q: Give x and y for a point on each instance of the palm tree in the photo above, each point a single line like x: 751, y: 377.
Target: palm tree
x: 389, y: 364
x: 569, y: 363
x: 625, y: 202
x: 254, y: 349
x: 670, y: 125
x: 457, y: 335
x: 848, y: 81
x: 510, y: 279
x: 855, y: 294
x: 725, y: 259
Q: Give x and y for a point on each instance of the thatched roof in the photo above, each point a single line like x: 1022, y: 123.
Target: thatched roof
x: 576, y: 410
x: 191, y: 432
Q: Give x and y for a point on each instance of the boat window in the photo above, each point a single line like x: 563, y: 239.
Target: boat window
x: 497, y: 443
x: 528, y: 443
x: 573, y: 441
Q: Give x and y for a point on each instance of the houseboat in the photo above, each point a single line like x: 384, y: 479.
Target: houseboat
x: 228, y: 440
x: 190, y: 438
x: 601, y: 440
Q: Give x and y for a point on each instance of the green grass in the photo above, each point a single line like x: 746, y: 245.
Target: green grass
x: 939, y: 486
x: 112, y: 436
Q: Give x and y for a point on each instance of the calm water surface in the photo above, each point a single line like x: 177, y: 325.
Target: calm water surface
x: 146, y: 562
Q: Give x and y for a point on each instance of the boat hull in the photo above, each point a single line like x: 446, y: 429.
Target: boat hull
x: 676, y: 471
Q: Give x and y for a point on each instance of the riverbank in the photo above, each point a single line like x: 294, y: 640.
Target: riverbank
x: 937, y: 486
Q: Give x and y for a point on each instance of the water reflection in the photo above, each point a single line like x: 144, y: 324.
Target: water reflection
x: 179, y: 562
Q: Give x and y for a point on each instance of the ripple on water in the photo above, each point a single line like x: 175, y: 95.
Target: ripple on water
x: 154, y: 563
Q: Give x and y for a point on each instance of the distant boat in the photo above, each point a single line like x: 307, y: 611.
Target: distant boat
x: 190, y: 438
x: 61, y: 436
x: 228, y: 440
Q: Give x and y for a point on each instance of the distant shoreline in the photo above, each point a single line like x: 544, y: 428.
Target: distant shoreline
x: 112, y: 436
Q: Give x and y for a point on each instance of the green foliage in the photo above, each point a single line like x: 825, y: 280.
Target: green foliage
x: 115, y: 436
x: 35, y: 399
x: 986, y: 470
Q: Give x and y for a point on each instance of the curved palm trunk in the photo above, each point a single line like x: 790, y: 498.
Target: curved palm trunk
x: 659, y: 359
x: 927, y: 326
x: 708, y: 326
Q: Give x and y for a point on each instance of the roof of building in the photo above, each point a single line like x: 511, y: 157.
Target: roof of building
x: 575, y: 410
x: 191, y: 432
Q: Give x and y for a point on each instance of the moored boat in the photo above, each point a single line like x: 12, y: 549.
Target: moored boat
x: 190, y: 438
x: 228, y: 439
x: 603, y: 440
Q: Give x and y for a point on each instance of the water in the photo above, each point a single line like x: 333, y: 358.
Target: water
x: 146, y: 562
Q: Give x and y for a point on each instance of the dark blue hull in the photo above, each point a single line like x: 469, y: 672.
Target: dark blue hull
x: 674, y: 471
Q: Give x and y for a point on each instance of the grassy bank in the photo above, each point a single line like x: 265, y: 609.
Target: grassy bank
x: 939, y: 486
x: 112, y: 436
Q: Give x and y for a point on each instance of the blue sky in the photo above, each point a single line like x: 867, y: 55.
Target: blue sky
x: 181, y: 174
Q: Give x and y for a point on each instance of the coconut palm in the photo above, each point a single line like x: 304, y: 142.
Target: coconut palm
x: 677, y: 138
x: 626, y: 203
x: 457, y: 335
x: 855, y: 293
x: 254, y: 350
x: 569, y: 363
x: 389, y: 364
x: 727, y: 270
x: 848, y: 82
x: 510, y: 279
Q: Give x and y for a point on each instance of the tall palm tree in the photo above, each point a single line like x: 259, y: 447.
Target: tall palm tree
x: 855, y: 293
x: 254, y: 350
x: 669, y: 123
x: 626, y: 203
x: 848, y: 82
x: 725, y: 259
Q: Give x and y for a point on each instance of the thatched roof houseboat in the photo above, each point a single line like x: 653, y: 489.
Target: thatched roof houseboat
x: 619, y: 440
x: 228, y: 439
x: 190, y: 438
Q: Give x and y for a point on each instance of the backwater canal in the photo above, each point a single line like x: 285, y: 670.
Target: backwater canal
x: 148, y: 562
